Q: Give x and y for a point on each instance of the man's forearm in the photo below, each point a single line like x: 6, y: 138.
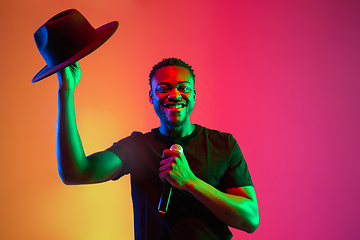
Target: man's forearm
x: 236, y: 211
x: 69, y: 150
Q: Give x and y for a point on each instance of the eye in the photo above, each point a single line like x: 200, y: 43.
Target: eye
x: 162, y: 89
x: 184, y: 88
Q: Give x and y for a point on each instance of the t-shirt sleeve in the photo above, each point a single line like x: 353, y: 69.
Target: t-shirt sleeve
x: 237, y: 174
x: 122, y: 149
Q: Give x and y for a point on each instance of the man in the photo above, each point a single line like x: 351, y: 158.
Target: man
x: 212, y: 188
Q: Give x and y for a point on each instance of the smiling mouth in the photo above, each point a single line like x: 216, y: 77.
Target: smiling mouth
x: 170, y: 105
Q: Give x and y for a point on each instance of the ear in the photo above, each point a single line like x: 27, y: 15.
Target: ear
x: 194, y: 95
x: 150, y: 97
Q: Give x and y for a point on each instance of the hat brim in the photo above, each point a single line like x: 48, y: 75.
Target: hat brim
x: 104, y: 33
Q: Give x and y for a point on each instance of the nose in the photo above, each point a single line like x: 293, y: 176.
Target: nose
x: 174, y: 94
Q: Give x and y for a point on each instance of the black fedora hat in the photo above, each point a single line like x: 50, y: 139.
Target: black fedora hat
x: 66, y: 38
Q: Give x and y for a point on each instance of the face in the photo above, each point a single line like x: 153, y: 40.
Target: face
x: 173, y: 95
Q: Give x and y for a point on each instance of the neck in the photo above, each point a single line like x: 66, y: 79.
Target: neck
x: 172, y: 131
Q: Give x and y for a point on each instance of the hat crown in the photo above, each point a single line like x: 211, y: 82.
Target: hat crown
x: 63, y: 35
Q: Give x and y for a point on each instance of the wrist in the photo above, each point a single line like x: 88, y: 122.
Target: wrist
x: 65, y: 90
x: 192, y: 184
x: 63, y: 86
x: 66, y: 95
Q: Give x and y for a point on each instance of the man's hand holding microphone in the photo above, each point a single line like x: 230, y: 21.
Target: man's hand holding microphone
x: 174, y: 171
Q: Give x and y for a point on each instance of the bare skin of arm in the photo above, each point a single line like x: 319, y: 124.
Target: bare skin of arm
x: 73, y: 165
x: 237, y: 207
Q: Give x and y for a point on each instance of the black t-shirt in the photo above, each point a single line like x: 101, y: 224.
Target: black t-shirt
x: 213, y: 156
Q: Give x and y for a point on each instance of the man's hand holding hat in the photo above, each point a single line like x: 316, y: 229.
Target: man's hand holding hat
x: 69, y: 76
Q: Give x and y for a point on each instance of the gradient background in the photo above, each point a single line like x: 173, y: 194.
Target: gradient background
x: 281, y: 76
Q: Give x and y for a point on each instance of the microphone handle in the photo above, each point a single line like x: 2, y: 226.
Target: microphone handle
x: 167, y: 188
x: 165, y: 197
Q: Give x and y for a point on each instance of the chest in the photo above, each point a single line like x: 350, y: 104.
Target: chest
x: 206, y: 162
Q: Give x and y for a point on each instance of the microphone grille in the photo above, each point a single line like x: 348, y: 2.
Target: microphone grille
x: 176, y: 147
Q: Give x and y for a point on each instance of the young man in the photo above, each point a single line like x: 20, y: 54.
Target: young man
x: 212, y: 188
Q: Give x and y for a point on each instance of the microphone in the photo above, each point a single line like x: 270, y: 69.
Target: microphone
x: 167, y: 188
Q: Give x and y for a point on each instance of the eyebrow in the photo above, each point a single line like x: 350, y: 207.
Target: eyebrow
x: 167, y: 83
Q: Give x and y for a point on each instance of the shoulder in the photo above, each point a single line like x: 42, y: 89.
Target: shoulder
x: 134, y: 138
x: 136, y: 135
x: 217, y: 136
x: 132, y: 145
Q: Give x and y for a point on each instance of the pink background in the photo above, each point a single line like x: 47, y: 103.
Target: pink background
x: 282, y: 76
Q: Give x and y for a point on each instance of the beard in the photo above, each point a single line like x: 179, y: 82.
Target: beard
x: 168, y: 122
x: 164, y: 118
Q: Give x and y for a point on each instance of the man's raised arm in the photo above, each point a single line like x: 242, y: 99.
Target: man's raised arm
x: 73, y: 165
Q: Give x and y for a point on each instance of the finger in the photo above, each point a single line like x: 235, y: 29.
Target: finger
x: 164, y: 175
x: 74, y: 66
x: 166, y: 153
x: 168, y: 165
x: 170, y: 153
x: 61, y: 73
x: 161, y: 176
x: 164, y: 161
x: 163, y: 168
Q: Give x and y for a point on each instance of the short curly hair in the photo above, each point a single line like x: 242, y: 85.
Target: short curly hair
x: 170, y: 62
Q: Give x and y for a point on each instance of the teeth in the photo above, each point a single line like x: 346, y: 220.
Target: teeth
x: 170, y: 105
